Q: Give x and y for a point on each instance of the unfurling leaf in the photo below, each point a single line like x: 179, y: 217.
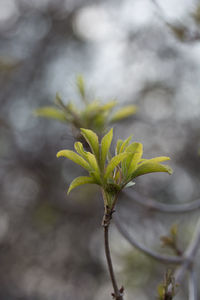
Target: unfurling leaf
x: 115, y: 161
x: 51, y: 113
x: 75, y: 158
x: 80, y: 85
x: 151, y: 167
x: 125, y: 144
x: 105, y: 146
x: 117, y: 149
x: 80, y: 181
x: 80, y: 150
x: 92, y: 140
x: 124, y: 112
x: 174, y: 230
x: 155, y: 160
x: 137, y: 150
x: 108, y: 106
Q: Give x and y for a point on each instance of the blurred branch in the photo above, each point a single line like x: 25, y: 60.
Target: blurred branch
x: 192, y: 285
x: 189, y: 254
x: 162, y: 207
x: 159, y: 257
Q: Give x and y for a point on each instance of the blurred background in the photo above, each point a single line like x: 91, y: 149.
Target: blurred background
x: 139, y: 52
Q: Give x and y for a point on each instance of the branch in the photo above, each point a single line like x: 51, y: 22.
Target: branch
x: 189, y: 254
x: 192, y: 285
x: 162, y: 207
x: 117, y: 293
x: 159, y: 257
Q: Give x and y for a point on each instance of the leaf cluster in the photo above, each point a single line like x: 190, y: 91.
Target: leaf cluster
x: 167, y: 289
x: 94, y: 115
x: 171, y: 240
x: 112, y: 174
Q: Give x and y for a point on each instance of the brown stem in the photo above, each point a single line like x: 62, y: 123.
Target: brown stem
x: 117, y: 293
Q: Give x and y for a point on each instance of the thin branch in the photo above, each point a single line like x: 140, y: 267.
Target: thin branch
x: 117, y: 294
x: 192, y: 285
x: 166, y: 259
x: 189, y: 254
x: 162, y: 207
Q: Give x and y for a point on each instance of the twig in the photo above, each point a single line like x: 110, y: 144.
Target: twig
x: 108, y: 212
x: 117, y: 294
x: 162, y: 207
x: 189, y: 254
x: 159, y: 257
x: 192, y: 285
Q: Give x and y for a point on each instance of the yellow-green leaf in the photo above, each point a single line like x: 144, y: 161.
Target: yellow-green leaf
x: 117, y: 149
x: 51, y: 113
x: 155, y: 160
x: 105, y: 146
x: 135, y: 158
x: 75, y: 158
x: 109, y: 105
x: 92, y: 140
x: 80, y: 85
x: 125, y: 144
x: 161, y: 291
x: 116, y: 160
x: 80, y: 150
x: 129, y: 165
x: 151, y: 167
x: 80, y: 181
x: 93, y: 162
x: 124, y: 112
x: 174, y: 230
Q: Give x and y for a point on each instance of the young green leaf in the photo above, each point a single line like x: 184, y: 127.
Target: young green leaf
x: 93, y: 163
x: 75, y: 158
x: 125, y: 144
x: 105, y: 146
x: 129, y: 165
x: 51, y: 113
x: 124, y: 113
x: 109, y: 105
x: 137, y: 154
x: 117, y: 149
x: 154, y: 160
x: 80, y: 181
x: 92, y: 140
x: 116, y: 160
x: 80, y: 85
x: 151, y: 167
x: 78, y: 146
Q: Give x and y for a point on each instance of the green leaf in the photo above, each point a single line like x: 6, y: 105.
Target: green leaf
x: 105, y: 146
x: 114, y: 162
x: 92, y: 140
x: 80, y: 181
x: 125, y: 144
x: 137, y: 150
x: 124, y: 113
x: 80, y: 85
x: 174, y: 230
x: 80, y: 150
x: 151, y: 167
x: 109, y: 105
x: 117, y: 149
x: 161, y: 291
x: 93, y: 162
x: 51, y: 113
x: 75, y: 158
x: 155, y: 160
